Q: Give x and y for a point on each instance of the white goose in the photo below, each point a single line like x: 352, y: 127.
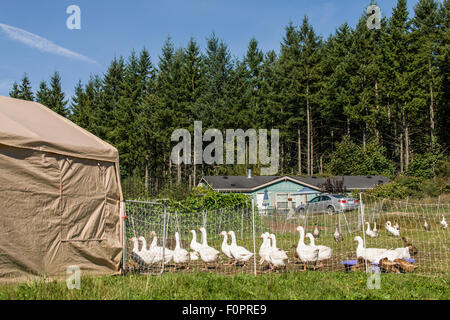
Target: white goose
x: 392, y: 254
x: 444, y: 224
x: 369, y: 232
x: 324, y: 251
x: 194, y: 255
x: 158, y: 250
x: 306, y: 253
x: 137, y: 255
x: 238, y: 252
x: 195, y: 246
x: 265, y: 248
x: 277, y: 257
x: 375, y: 227
x: 225, y: 246
x: 370, y: 254
x: 180, y: 255
x: 148, y: 255
x: 392, y: 230
x: 207, y: 254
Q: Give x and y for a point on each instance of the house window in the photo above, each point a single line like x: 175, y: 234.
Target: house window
x: 282, y: 201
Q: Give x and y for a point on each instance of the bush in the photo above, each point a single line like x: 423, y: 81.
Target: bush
x: 403, y: 186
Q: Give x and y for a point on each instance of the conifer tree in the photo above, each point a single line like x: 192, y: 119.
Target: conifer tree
x: 15, y: 91
x: 56, y: 97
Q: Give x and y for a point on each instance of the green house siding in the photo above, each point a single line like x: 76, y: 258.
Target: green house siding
x: 282, y: 191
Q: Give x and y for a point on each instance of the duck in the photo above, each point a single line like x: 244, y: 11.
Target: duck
x: 265, y: 248
x: 370, y: 254
x: 239, y: 253
x: 412, y: 249
x: 277, y: 257
x: 375, y: 227
x: 444, y: 224
x: 225, y: 246
x: 195, y: 246
x: 316, y: 232
x: 305, y: 253
x: 207, y: 254
x: 426, y: 226
x: 392, y: 230
x: 369, y: 232
x: 338, y: 237
x: 324, y: 251
x: 180, y: 255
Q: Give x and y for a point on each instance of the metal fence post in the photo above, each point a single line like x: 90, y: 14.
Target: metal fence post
x: 164, y: 240
x: 254, y: 235
x: 124, y: 236
x: 363, y: 228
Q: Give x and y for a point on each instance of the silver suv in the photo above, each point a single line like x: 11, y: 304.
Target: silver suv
x: 328, y: 203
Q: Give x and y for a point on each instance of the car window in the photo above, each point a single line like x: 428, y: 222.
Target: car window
x: 339, y: 196
x: 315, y: 199
x: 325, y: 198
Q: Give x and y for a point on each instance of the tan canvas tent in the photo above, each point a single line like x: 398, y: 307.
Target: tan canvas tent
x: 60, y: 196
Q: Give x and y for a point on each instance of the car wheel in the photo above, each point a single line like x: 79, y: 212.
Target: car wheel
x: 330, y: 210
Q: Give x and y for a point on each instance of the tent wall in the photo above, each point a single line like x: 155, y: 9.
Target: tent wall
x: 57, y: 211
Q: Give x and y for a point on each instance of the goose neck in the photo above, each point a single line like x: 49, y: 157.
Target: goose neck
x: 204, y: 240
x: 225, y: 240
x: 302, y: 235
x: 177, y: 241
x: 233, y: 239
x: 274, y: 242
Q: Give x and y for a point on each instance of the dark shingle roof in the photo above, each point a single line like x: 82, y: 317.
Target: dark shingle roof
x: 350, y: 182
x: 237, y: 182
x: 244, y: 184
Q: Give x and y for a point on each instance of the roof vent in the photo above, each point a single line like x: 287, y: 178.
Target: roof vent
x: 225, y: 177
x: 233, y: 184
x: 369, y: 177
x: 249, y: 173
x: 314, y: 177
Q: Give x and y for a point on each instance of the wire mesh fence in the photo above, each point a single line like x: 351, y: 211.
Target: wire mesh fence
x: 243, y: 239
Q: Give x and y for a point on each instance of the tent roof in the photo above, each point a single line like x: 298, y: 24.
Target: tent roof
x: 30, y: 125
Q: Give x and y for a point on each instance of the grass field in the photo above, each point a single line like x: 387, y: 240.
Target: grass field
x: 291, y: 286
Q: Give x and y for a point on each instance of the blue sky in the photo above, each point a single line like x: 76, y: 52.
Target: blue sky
x: 113, y: 28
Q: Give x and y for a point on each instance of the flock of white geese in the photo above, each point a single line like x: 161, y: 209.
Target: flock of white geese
x: 268, y: 252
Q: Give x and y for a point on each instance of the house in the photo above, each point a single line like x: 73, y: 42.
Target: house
x: 284, y: 192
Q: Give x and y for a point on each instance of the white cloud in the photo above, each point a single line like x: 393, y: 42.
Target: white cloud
x: 42, y: 44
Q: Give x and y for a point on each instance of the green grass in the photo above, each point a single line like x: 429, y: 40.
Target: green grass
x: 291, y: 285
